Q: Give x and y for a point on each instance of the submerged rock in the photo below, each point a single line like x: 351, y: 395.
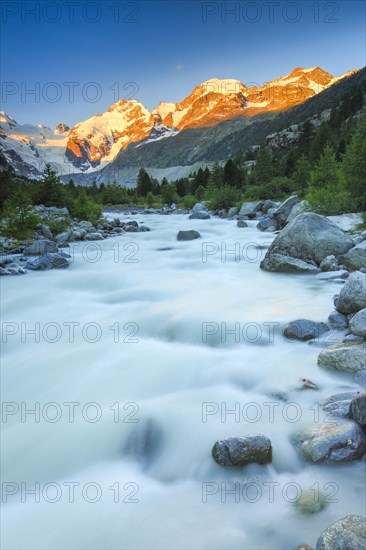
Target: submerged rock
x: 188, y: 235
x: 348, y: 533
x: 332, y: 443
x: 143, y: 442
x: 241, y: 223
x: 238, y: 451
x: 310, y: 502
x: 303, y: 329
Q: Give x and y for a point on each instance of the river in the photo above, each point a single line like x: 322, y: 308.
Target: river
x: 131, y: 360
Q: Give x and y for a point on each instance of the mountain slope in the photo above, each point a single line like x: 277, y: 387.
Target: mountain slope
x: 204, y: 145
x: 94, y: 143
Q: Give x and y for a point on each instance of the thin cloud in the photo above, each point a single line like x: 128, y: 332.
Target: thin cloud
x: 180, y: 67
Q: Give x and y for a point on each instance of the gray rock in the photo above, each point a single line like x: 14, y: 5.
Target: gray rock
x: 63, y: 238
x: 199, y: 206
x: 360, y: 378
x: 250, y: 208
x: 332, y: 443
x: 86, y: 226
x: 348, y: 533
x: 358, y: 240
x: 241, y: 223
x: 310, y: 503
x: 357, y: 324
x: 200, y: 215
x: 353, y: 338
x: 45, y: 230
x: 264, y: 224
x: 330, y: 263
x: 94, y: 237
x: 298, y: 209
x: 270, y: 212
x: 287, y: 264
x: 303, y: 329
x: 232, y: 212
x: 238, y: 451
x: 39, y: 248
x: 4, y: 271
x: 352, y: 297
x: 333, y: 275
x: 338, y: 405
x: 49, y: 261
x: 310, y: 238
x: 355, y: 257
x: 338, y: 320
x: 283, y: 211
x: 188, y: 235
x: 358, y: 409
x: 347, y: 357
x: 268, y: 204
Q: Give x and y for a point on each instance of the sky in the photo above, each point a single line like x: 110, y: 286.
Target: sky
x: 65, y: 60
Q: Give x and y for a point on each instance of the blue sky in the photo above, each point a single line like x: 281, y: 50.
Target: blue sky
x: 80, y: 57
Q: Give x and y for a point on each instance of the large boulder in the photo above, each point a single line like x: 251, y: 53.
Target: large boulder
x: 41, y: 247
x: 355, y: 257
x: 283, y: 211
x: 304, y: 329
x: 330, y: 263
x: 188, y: 235
x: 347, y: 357
x: 357, y: 324
x: 310, y: 238
x: 352, y: 297
x: 240, y: 451
x: 249, y: 209
x: 332, y: 443
x: 348, y: 533
x: 338, y: 405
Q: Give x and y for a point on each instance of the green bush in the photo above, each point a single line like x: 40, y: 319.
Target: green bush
x: 20, y: 221
x: 83, y: 208
x: 277, y: 188
x: 330, y: 202
x: 225, y: 197
x: 189, y: 201
x: 57, y: 225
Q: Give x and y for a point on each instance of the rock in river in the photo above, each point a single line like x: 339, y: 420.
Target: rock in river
x: 309, y: 238
x: 188, y: 235
x: 348, y: 533
x: 303, y: 329
x: 347, y: 357
x: 240, y: 451
x: 332, y: 443
x: 352, y: 297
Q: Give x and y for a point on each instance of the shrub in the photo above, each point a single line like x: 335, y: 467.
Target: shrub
x: 20, y: 221
x: 225, y: 197
x: 189, y: 201
x: 84, y: 208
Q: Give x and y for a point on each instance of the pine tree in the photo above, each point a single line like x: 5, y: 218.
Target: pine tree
x: 327, y: 170
x: 143, y: 183
x: 354, y: 163
x: 301, y: 175
x: 263, y: 169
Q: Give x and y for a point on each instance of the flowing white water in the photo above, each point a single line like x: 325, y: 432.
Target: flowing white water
x: 142, y: 360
